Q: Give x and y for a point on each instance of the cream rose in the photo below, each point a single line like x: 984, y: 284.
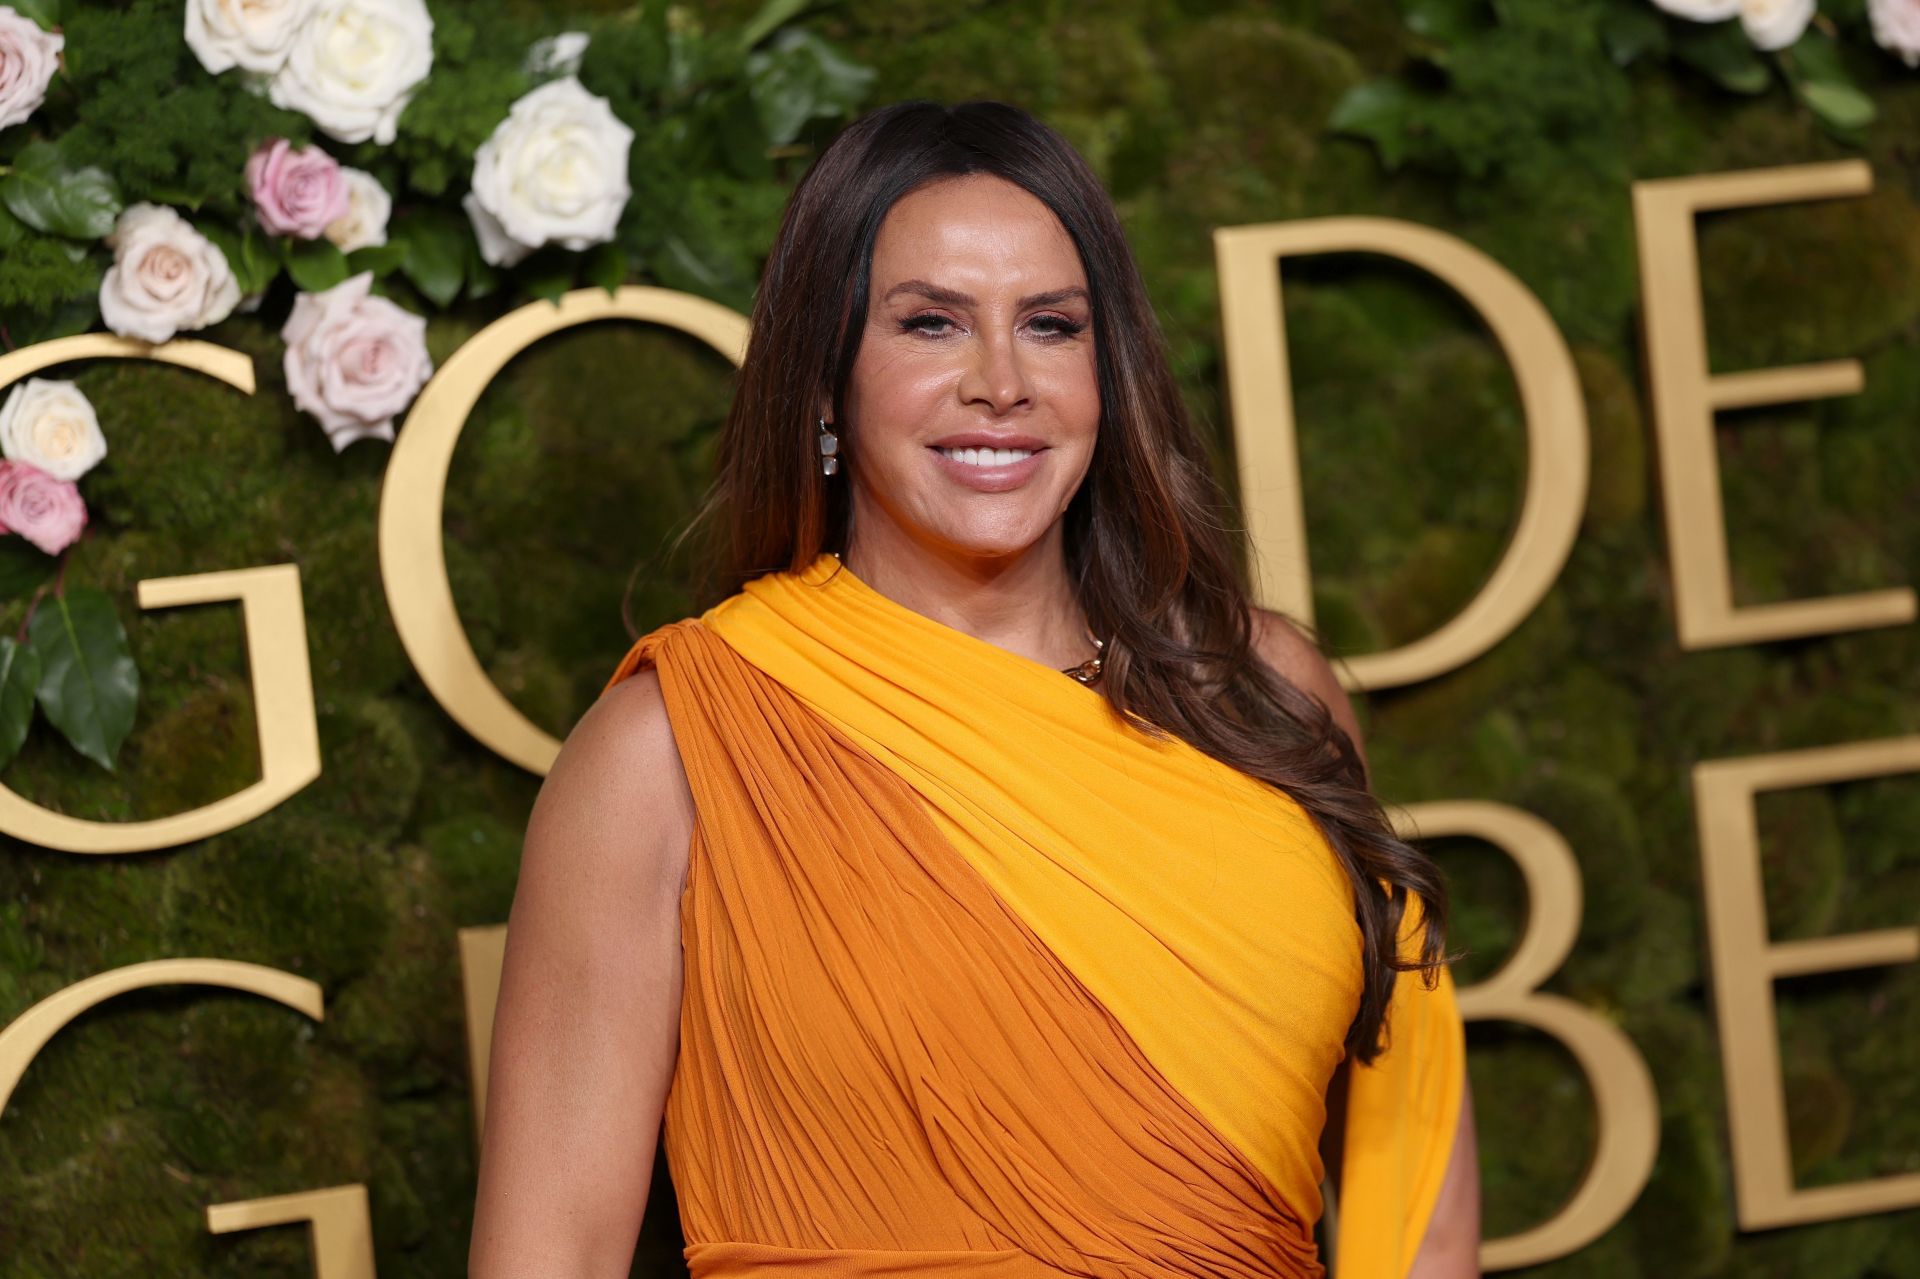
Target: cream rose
x: 1896, y: 27
x: 252, y: 34
x: 1775, y: 24
x: 51, y: 425
x: 354, y: 361
x: 364, y: 224
x: 165, y: 276
x: 354, y: 66
x: 28, y: 59
x: 1702, y: 10
x: 554, y: 170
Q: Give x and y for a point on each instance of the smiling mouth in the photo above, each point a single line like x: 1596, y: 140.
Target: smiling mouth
x: 985, y: 457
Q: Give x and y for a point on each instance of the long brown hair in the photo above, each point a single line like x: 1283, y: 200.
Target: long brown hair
x: 1147, y: 547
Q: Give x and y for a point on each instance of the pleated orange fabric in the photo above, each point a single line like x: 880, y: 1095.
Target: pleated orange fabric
x: 882, y: 1069
x: 981, y: 980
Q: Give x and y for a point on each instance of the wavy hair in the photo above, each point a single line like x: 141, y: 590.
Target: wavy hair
x: 1149, y: 558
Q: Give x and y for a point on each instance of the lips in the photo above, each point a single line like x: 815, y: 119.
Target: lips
x: 989, y: 440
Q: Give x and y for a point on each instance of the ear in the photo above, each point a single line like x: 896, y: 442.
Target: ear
x: 823, y: 410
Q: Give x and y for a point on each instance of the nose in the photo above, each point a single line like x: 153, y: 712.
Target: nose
x: 996, y: 374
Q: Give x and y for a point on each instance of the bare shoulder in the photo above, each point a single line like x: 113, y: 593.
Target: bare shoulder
x: 1295, y: 656
x: 618, y: 788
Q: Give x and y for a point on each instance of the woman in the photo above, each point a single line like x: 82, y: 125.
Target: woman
x: 980, y: 886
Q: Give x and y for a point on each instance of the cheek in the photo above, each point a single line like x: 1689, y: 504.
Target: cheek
x: 893, y: 390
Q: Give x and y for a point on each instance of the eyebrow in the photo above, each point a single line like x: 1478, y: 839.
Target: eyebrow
x: 952, y: 297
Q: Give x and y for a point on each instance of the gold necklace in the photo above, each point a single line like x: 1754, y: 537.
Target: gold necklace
x: 1089, y: 670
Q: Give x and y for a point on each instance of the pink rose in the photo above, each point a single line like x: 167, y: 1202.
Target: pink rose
x: 1896, y: 27
x: 354, y: 360
x: 45, y: 511
x: 295, y: 192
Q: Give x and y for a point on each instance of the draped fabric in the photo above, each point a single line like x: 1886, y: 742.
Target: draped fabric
x: 981, y: 979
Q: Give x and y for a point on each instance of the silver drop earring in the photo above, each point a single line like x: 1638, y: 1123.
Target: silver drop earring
x: 829, y: 448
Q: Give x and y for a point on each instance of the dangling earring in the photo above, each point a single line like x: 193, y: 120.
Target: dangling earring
x: 829, y: 447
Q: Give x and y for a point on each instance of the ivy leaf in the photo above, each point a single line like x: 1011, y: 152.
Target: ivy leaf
x: 19, y: 676
x: 437, y: 245
x: 88, y: 686
x: 50, y: 194
x: 1379, y: 111
x: 1722, y: 50
x: 44, y: 12
x: 316, y: 265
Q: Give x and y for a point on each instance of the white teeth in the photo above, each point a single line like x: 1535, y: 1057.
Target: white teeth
x: 987, y: 457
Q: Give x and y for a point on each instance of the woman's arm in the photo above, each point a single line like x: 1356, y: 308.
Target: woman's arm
x: 1451, y: 1247
x: 587, y: 1026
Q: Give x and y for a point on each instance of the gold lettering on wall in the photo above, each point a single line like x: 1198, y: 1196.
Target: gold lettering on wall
x: 275, y: 625
x: 1686, y: 397
x: 1260, y: 392
x: 28, y: 1033
x: 413, y: 562
x: 340, y: 1227
x: 276, y: 642
x: 1626, y: 1104
x: 483, y: 953
x: 1746, y: 965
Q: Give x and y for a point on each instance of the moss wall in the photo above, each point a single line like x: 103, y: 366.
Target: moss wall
x: 593, y: 445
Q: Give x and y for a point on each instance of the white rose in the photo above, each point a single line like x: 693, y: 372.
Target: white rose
x: 354, y: 66
x: 354, y: 361
x: 557, y: 54
x: 51, y: 425
x: 252, y: 34
x: 165, y: 276
x: 28, y: 59
x: 1701, y: 10
x: 554, y: 170
x: 368, y: 208
x: 1896, y: 27
x: 1775, y: 24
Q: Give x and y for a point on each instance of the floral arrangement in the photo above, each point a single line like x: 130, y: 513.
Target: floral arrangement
x: 349, y: 167
x: 1816, y: 48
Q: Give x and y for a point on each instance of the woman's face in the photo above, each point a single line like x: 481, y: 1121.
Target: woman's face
x: 979, y: 333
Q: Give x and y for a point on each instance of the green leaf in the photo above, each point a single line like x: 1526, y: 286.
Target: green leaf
x: 63, y: 319
x: 1840, y: 105
x: 1722, y: 50
x: 249, y: 254
x: 49, y: 194
x: 1380, y: 111
x: 380, y: 259
x: 606, y: 268
x: 437, y: 244
x: 316, y: 265
x: 800, y: 76
x: 44, y: 12
x: 23, y: 566
x: 19, y: 676
x: 89, y: 686
x: 548, y: 274
x: 773, y: 15
x: 1632, y: 30
x: 1444, y: 20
